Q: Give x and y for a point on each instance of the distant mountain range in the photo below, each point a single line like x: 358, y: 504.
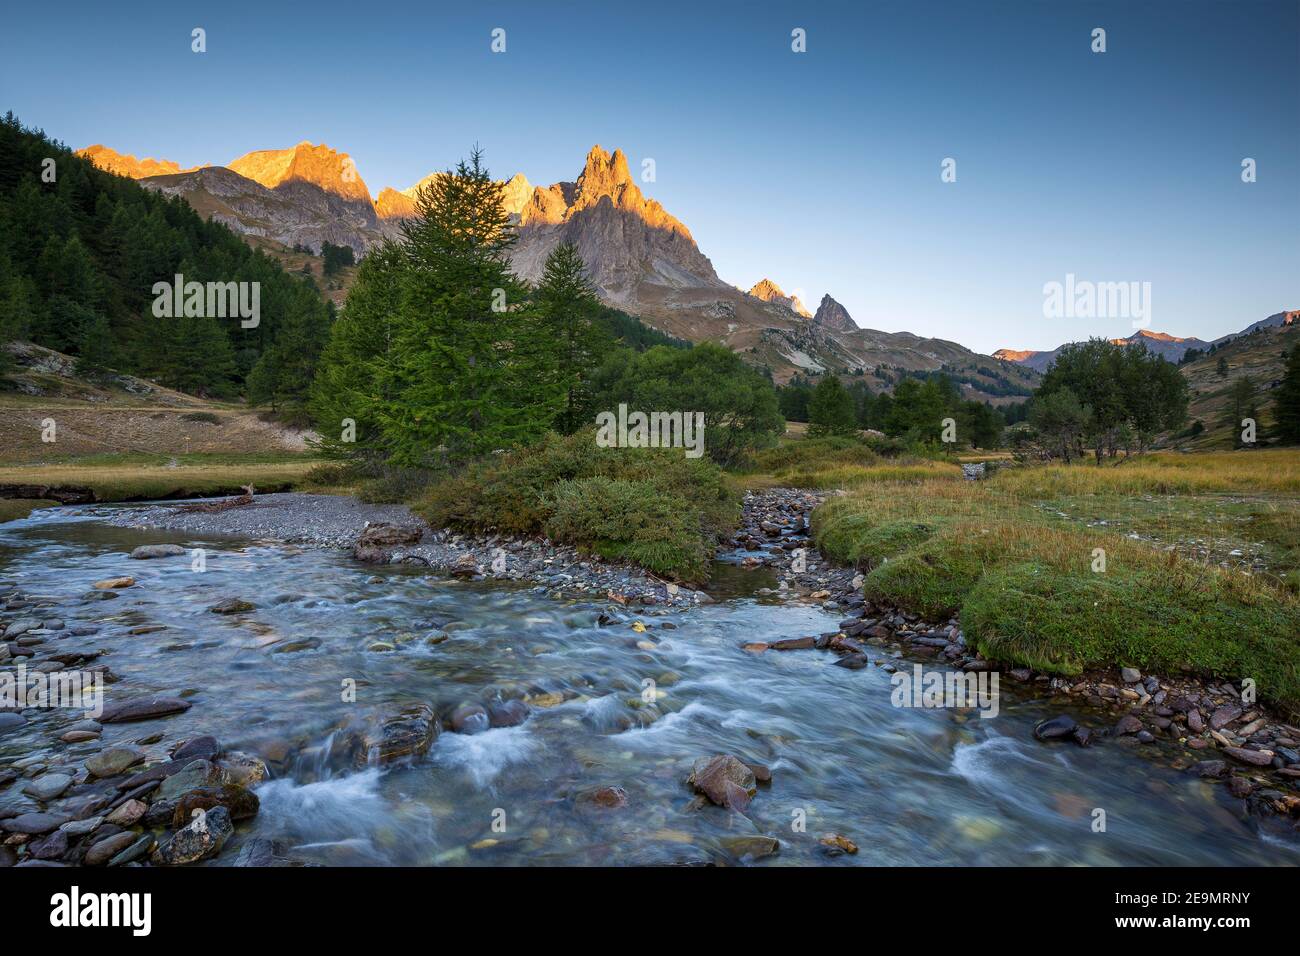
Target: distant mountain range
x: 1169, y: 347
x: 639, y: 257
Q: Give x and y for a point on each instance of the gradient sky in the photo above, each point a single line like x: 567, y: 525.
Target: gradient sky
x: 819, y: 170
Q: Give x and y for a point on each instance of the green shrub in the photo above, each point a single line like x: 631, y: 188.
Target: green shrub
x: 652, y: 506
x: 630, y: 519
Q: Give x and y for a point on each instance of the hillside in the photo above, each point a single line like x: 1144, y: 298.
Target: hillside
x: 1259, y: 354
x: 79, y: 261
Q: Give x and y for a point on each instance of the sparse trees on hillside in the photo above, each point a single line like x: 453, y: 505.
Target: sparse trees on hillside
x: 1288, y: 400
x: 79, y: 257
x: 1243, y: 403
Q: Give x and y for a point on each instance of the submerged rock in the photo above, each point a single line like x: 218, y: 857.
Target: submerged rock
x: 113, y: 584
x: 725, y: 781
x: 837, y: 844
x: 147, y: 551
x: 409, y: 733
x: 232, y: 606
x: 113, y: 761
x: 143, y: 708
x: 469, y: 719
x: 1055, y: 727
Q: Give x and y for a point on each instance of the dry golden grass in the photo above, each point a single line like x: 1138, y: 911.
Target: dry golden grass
x: 1163, y: 473
x: 150, y: 480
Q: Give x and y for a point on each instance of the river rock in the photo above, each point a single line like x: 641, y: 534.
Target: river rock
x: 1224, y: 716
x: 79, y: 736
x: 241, y: 803
x: 48, y: 786
x: 469, y: 719
x: 794, y: 644
x: 754, y: 847
x: 143, y: 708
x: 33, y: 824
x: 134, y: 852
x: 113, y: 761
x: 10, y: 721
x: 1128, y: 724
x: 78, y: 828
x: 607, y: 798
x: 232, y: 606
x: 464, y: 567
x: 128, y: 814
x: 109, y: 847
x: 202, y: 837
x: 113, y: 584
x: 1130, y: 675
x: 21, y: 627
x: 836, y: 844
x: 205, y: 747
x: 147, y: 551
x: 408, y: 733
x: 724, y: 780
x: 1256, y: 758
x: 256, y: 852
x: 508, y: 713
x: 50, y: 847
x: 1055, y: 727
x: 377, y: 542
x: 197, y: 773
x: 241, y: 770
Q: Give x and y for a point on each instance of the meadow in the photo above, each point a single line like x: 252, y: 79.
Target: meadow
x: 1168, y: 562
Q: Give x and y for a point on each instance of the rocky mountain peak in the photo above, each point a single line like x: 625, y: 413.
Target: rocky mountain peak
x: 110, y: 160
x: 769, y: 291
x: 832, y: 315
x: 332, y: 171
x: 604, y: 174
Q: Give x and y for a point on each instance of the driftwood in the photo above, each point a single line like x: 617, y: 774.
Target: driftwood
x: 208, y: 507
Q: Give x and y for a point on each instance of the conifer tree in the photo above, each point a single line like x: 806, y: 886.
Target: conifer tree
x: 562, y: 339
x: 830, y: 409
x: 1288, y: 400
x: 453, y: 392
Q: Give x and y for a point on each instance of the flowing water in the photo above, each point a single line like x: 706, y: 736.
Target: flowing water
x: 909, y: 786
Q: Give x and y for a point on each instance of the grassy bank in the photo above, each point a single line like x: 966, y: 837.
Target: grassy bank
x: 148, y: 477
x: 1017, y: 556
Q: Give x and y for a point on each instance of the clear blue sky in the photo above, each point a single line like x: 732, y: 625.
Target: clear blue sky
x: 819, y: 170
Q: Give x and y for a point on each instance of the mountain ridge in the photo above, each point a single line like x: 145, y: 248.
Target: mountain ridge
x: 640, y: 258
x: 1167, y: 346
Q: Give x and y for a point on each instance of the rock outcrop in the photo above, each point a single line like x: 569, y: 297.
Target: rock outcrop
x: 769, y: 291
x: 832, y: 315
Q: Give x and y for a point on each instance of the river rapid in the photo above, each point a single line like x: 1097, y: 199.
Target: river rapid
x: 908, y: 786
